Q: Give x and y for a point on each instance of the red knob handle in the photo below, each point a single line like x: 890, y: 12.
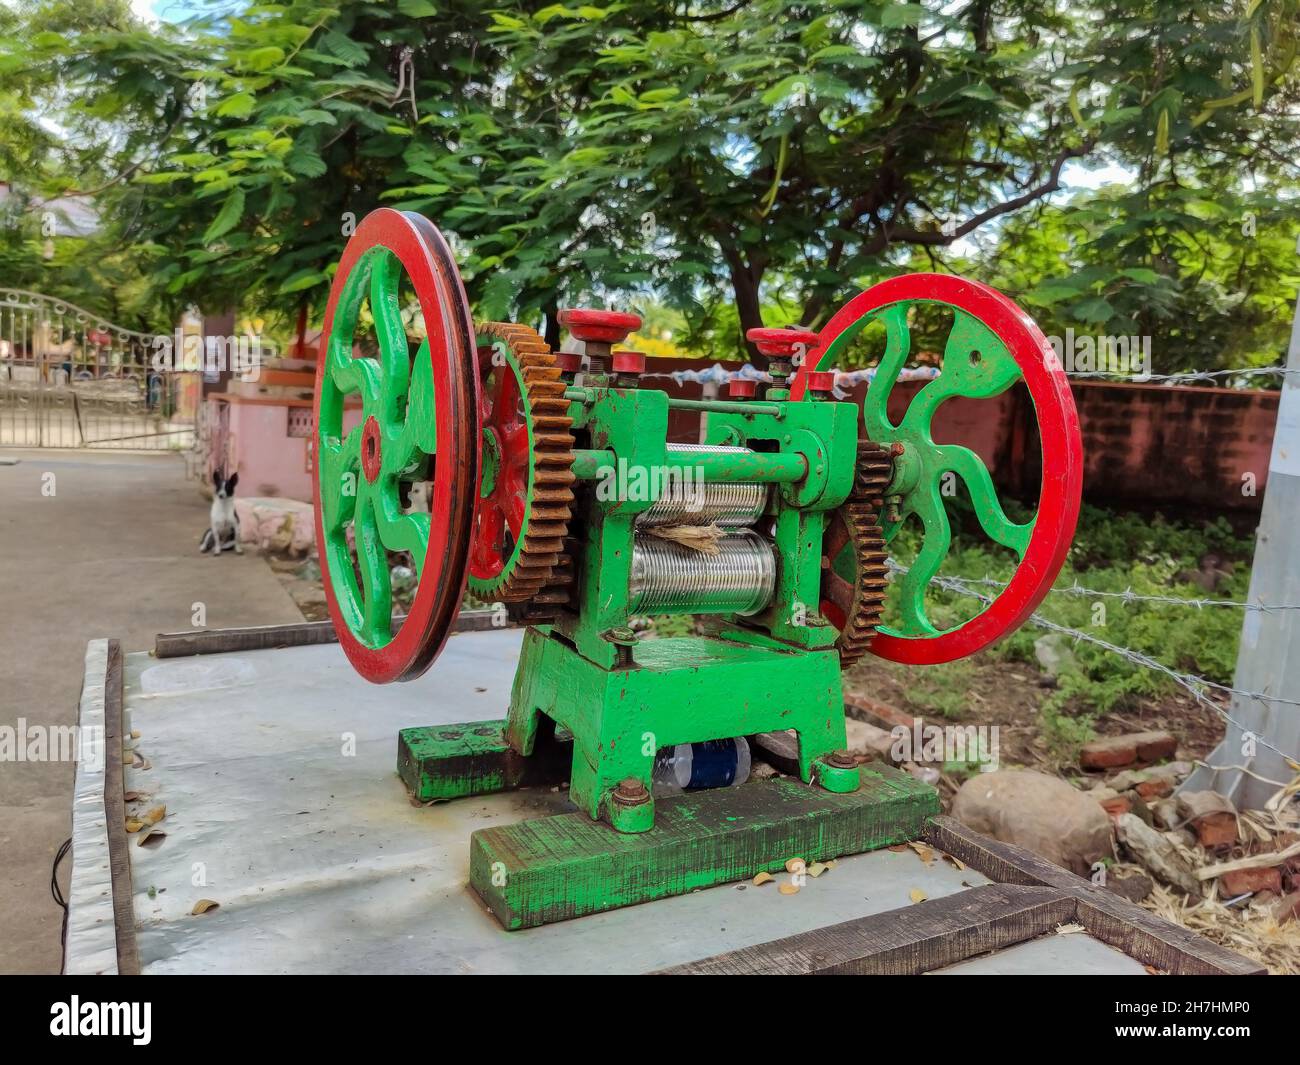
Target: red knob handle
x: 604, y: 327
x: 741, y: 388
x: 628, y: 362
x: 821, y: 381
x: 568, y: 361
x: 780, y: 343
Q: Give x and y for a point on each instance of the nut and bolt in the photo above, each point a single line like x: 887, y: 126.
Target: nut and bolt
x: 631, y: 792
x: 841, y: 760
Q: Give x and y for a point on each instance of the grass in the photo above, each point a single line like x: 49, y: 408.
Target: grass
x: 1112, y: 552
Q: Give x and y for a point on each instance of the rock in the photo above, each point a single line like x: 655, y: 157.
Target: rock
x: 1113, y: 752
x: 1287, y: 908
x: 1250, y: 882
x: 1164, y: 813
x: 1211, y: 815
x: 927, y: 774
x: 1132, y: 886
x: 867, y: 739
x: 1054, y: 658
x: 1156, y: 855
x: 1042, y: 813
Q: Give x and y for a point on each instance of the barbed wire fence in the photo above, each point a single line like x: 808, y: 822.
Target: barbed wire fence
x: 1198, y: 687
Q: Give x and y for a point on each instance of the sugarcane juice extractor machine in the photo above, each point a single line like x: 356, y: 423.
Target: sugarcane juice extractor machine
x: 553, y: 488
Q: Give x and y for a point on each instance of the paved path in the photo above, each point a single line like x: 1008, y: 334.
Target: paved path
x: 113, y: 552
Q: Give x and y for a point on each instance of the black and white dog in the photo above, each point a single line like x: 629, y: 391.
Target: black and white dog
x: 223, y: 522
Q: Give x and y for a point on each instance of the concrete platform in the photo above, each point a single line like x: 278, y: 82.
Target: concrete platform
x: 277, y: 769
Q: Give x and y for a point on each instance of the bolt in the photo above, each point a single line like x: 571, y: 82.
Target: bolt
x: 631, y: 792
x: 841, y: 760
x: 895, y: 449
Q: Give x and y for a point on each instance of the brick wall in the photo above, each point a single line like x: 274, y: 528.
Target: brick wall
x: 1181, y: 446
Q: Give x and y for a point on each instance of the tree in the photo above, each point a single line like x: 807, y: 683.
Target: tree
x: 753, y: 152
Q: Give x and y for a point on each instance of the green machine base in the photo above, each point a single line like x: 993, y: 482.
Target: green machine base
x: 555, y: 868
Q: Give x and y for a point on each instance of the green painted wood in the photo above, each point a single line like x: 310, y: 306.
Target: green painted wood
x: 439, y: 762
x: 556, y: 868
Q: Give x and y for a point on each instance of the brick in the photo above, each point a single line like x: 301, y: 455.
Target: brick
x: 1109, y: 753
x: 1250, y: 881
x: 1155, y: 746
x: 1155, y: 788
x: 1116, y: 805
x: 1114, y: 752
x: 1216, y: 830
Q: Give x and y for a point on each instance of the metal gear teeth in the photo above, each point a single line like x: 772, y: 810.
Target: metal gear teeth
x: 861, y: 516
x: 540, y: 564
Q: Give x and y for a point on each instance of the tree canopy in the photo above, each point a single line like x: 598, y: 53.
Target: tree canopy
x: 739, y: 161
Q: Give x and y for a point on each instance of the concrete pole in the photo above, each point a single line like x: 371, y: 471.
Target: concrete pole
x: 1268, y: 660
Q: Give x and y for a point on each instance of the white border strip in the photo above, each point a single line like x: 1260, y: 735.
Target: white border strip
x: 91, y: 947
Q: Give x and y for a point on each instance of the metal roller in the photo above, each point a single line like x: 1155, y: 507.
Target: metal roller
x: 732, y: 506
x: 668, y: 578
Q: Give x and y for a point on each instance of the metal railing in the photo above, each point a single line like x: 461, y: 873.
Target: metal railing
x: 70, y: 378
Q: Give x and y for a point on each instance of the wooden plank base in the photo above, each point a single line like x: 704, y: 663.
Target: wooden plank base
x: 440, y: 762
x: 903, y: 942
x: 556, y: 868
x: 1114, y: 920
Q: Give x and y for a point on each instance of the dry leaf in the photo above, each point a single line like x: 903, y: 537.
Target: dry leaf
x: 795, y: 865
x: 1068, y: 929
x: 762, y: 878
x: 955, y: 861
x: 134, y: 824
x: 135, y: 734
x: 150, y: 837
x: 898, y: 848
x: 131, y: 796
x: 154, y: 815
x: 203, y: 906
x: 817, y: 868
x: 926, y: 853
x: 789, y: 889
x: 832, y: 863
x: 917, y: 895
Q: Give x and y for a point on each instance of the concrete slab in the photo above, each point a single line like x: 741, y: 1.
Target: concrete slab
x: 277, y: 769
x: 114, y: 550
x: 1076, y: 953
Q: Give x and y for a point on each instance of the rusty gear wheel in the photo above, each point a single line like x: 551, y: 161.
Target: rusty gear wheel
x: 854, y: 573
x: 526, y: 494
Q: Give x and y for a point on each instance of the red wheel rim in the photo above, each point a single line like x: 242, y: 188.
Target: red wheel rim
x: 1062, y: 454
x: 427, y: 261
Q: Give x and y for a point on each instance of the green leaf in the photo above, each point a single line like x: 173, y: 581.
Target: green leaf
x: 238, y: 106
x: 1094, y: 310
x: 416, y: 8
x: 303, y: 279
x: 227, y: 218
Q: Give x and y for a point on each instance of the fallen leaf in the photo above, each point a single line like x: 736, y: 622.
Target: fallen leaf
x: 762, y: 878
x: 135, y: 734
x: 832, y: 863
x: 154, y: 815
x: 795, y: 865
x: 203, y: 906
x: 817, y: 868
x: 131, y: 796
x: 955, y: 861
x: 925, y: 853
x: 898, y: 848
x: 1068, y: 929
x: 789, y: 889
x: 150, y: 837
x: 134, y: 824
x: 917, y: 895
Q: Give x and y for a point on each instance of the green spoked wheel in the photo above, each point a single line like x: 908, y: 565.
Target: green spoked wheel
x: 418, y: 421
x: 992, y: 345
